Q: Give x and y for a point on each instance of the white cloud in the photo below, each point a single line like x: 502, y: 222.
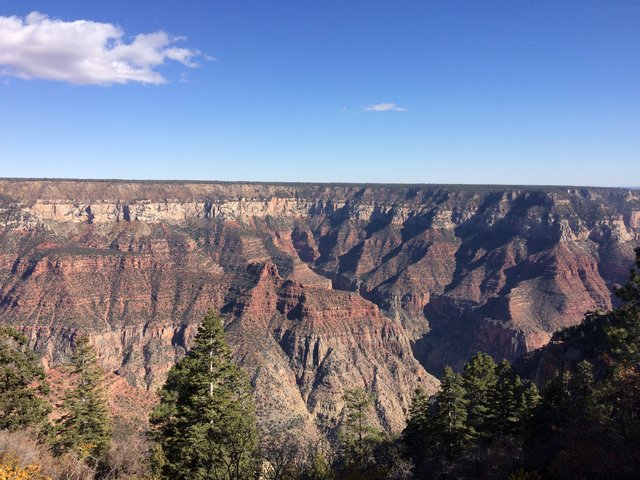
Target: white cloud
x: 85, y: 52
x: 384, y: 107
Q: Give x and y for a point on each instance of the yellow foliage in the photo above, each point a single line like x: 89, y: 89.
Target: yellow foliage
x: 85, y: 450
x: 11, y: 470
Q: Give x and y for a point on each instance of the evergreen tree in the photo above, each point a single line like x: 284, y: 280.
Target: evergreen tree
x: 506, y: 401
x: 582, y: 388
x: 529, y: 400
x: 619, y: 396
x: 623, y: 330
x: 452, y: 431
x: 22, y: 384
x: 479, y: 379
x: 418, y: 435
x: 617, y: 403
x: 205, y: 425
x: 419, y: 424
x: 587, y: 424
x: 552, y: 412
x: 85, y: 427
x: 358, y: 437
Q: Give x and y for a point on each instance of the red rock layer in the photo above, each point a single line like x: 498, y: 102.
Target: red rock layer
x: 322, y: 287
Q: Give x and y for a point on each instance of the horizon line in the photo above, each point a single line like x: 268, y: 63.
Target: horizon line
x: 307, y: 183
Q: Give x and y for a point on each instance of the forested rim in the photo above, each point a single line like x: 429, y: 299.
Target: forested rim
x: 480, y: 188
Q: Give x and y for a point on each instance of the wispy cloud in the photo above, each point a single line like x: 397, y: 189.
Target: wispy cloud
x: 384, y: 107
x: 85, y: 52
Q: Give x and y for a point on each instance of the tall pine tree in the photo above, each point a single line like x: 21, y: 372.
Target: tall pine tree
x: 479, y: 380
x: 452, y: 430
x: 527, y: 403
x: 505, y: 401
x: 582, y: 388
x: 418, y: 436
x: 85, y: 427
x: 205, y: 425
x: 358, y: 437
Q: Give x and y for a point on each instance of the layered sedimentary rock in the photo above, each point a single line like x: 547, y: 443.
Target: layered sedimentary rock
x: 322, y: 287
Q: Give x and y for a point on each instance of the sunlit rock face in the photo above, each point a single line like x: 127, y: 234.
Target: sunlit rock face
x: 322, y: 287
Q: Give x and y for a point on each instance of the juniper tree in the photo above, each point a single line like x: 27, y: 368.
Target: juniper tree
x: 205, y: 425
x: 22, y: 384
x: 85, y: 427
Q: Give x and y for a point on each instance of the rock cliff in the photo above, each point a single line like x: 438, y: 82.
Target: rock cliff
x: 322, y: 287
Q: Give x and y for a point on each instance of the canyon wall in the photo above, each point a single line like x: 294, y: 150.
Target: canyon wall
x: 322, y: 287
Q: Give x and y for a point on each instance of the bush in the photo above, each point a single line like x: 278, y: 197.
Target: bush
x: 22, y: 457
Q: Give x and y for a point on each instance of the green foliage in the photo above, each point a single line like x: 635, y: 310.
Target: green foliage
x: 22, y: 384
x: 582, y: 388
x: 620, y: 397
x: 318, y: 469
x: 490, y: 423
x: 513, y: 401
x: 480, y: 380
x: 528, y: 403
x: 556, y: 398
x: 623, y: 330
x: 358, y: 438
x: 452, y: 430
x: 587, y: 424
x: 488, y: 406
x: 419, y: 434
x: 85, y: 427
x: 205, y: 424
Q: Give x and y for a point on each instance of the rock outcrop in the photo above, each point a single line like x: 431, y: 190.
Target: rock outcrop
x: 322, y: 287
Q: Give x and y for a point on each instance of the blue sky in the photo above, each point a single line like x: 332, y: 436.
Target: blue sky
x: 515, y: 92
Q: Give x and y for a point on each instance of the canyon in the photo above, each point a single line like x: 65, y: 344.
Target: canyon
x: 322, y: 286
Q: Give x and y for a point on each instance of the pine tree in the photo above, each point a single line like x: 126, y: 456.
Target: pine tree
x: 619, y: 397
x: 418, y: 422
x: 581, y: 388
x: 452, y: 431
x: 506, y: 401
x: 623, y: 330
x: 85, y: 427
x: 358, y: 436
x: 418, y: 435
x: 553, y: 410
x: 528, y: 402
x: 479, y: 379
x: 22, y: 384
x: 205, y: 425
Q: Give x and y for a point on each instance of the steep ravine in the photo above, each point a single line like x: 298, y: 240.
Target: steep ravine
x: 322, y: 287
